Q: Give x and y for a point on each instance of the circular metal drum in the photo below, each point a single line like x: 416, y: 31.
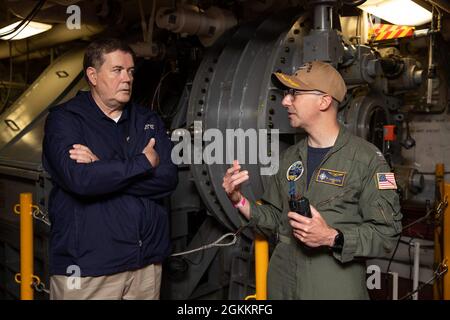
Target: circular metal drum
x: 366, y: 114
x: 232, y: 89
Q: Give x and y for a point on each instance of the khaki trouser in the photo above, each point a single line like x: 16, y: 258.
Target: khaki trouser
x: 142, y: 284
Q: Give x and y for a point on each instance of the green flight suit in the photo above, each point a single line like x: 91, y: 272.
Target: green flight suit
x: 368, y: 216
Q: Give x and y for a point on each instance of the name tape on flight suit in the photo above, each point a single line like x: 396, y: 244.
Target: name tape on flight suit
x: 295, y: 171
x: 386, y: 181
x: 336, y: 178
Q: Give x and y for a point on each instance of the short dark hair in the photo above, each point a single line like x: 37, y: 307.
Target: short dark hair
x: 93, y: 57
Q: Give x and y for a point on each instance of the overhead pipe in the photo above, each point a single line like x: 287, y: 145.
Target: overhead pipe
x: 54, y: 12
x: 208, y: 25
x: 57, y: 35
x: 38, y: 54
x: 444, y: 5
x: 147, y: 48
x: 13, y: 85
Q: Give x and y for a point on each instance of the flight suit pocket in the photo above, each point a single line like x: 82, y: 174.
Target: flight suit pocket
x: 389, y: 209
x: 340, y: 201
x: 326, y: 202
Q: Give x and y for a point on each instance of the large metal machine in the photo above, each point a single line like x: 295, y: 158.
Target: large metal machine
x: 216, y: 62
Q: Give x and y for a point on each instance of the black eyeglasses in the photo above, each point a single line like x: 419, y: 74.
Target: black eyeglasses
x: 291, y: 93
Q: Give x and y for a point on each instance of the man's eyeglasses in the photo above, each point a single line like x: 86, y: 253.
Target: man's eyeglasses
x: 291, y: 93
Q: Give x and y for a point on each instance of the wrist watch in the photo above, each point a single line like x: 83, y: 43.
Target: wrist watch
x: 338, y: 243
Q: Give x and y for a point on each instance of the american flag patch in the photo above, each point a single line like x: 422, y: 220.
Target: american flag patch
x: 386, y: 181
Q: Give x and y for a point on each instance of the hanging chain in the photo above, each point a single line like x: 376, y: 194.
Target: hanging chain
x: 39, y: 286
x: 40, y: 215
x: 440, y: 207
x: 441, y: 269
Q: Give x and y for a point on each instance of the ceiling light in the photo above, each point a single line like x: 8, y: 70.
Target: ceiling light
x: 400, y: 12
x: 31, y: 29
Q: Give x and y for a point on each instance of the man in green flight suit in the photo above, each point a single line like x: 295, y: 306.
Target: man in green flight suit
x: 352, y: 191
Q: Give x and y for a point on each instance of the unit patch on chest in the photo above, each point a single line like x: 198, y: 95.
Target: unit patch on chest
x: 333, y: 177
x: 295, y: 171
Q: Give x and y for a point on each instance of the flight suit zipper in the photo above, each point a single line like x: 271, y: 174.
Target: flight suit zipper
x: 327, y: 156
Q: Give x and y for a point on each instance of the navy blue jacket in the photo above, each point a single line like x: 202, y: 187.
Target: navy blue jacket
x: 106, y: 216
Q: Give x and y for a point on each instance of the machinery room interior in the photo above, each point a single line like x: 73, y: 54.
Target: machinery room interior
x: 195, y: 59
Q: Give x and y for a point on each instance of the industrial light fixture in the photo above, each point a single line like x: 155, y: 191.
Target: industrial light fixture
x: 25, y: 31
x: 399, y: 12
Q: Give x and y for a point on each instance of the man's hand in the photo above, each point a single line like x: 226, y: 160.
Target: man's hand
x: 232, y: 182
x: 151, y: 153
x: 82, y: 154
x: 314, y: 232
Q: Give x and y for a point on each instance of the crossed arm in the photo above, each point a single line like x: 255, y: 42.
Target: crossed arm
x: 75, y: 168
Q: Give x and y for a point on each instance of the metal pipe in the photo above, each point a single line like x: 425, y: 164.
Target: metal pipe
x: 53, y: 13
x: 13, y: 85
x: 261, y: 266
x: 323, y: 17
x: 57, y: 35
x: 431, y: 67
x: 208, y: 25
x: 446, y: 242
x: 440, y: 189
x: 441, y: 4
x: 394, y: 285
x: 39, y: 54
x: 416, y: 269
x: 26, y: 247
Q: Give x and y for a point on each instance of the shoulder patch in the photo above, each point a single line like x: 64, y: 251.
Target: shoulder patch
x: 386, y: 181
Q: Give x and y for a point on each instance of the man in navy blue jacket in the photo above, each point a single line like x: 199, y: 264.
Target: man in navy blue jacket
x: 109, y: 160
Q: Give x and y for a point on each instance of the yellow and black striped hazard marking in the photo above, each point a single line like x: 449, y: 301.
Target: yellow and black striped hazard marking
x: 389, y: 31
